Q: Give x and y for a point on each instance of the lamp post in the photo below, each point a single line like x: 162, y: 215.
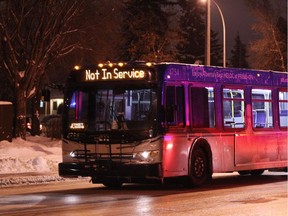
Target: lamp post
x: 208, y: 33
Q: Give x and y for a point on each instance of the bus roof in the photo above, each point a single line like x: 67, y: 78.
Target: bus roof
x: 169, y: 71
x: 201, y: 73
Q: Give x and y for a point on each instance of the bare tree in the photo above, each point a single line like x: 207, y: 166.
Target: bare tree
x: 99, y: 37
x: 270, y: 51
x: 33, y: 34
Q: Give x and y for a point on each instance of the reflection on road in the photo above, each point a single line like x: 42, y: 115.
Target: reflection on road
x: 228, y: 194
x: 143, y: 205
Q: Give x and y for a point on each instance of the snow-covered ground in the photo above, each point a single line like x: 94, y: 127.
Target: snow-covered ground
x: 30, y: 161
x: 36, y: 154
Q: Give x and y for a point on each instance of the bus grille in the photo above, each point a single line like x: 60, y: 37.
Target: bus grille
x: 90, y: 157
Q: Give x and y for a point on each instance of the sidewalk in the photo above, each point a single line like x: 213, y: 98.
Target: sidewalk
x: 29, y: 179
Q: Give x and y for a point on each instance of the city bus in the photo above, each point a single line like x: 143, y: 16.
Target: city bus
x: 146, y: 122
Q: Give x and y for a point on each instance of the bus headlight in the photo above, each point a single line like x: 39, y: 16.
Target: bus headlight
x: 73, y: 154
x: 80, y: 154
x: 147, y: 156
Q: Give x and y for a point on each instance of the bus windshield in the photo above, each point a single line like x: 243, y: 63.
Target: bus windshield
x: 112, y: 109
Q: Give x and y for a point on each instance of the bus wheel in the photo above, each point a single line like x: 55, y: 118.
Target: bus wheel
x: 257, y: 172
x: 112, y: 183
x: 199, y: 169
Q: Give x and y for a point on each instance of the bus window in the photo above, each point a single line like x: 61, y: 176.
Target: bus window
x: 283, y: 108
x: 202, y: 107
x: 78, y: 108
x: 262, y: 108
x: 233, y: 108
x: 174, y: 109
x: 143, y: 102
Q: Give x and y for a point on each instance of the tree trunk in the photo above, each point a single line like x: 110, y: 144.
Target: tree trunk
x: 35, y: 130
x: 20, y: 118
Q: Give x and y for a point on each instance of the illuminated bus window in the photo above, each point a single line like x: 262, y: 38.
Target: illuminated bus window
x: 174, y: 110
x: 142, y: 102
x: 78, y: 110
x: 233, y: 108
x: 202, y: 107
x: 283, y: 108
x: 262, y: 108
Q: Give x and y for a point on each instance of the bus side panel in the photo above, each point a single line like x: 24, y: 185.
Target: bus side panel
x: 258, y: 150
x: 176, y: 151
x: 222, y: 147
x: 282, y: 144
x: 175, y: 155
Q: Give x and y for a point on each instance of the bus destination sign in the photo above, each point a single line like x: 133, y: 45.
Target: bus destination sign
x: 114, y: 74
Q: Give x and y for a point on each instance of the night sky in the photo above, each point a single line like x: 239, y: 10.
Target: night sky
x: 238, y: 18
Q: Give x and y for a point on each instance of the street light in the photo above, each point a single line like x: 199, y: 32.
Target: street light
x: 208, y: 32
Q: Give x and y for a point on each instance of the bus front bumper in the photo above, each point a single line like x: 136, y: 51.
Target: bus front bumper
x: 119, y: 170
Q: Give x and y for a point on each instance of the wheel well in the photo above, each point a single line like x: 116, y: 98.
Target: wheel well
x: 204, y: 145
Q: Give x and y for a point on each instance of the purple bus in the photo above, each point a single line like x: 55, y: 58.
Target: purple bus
x: 141, y: 122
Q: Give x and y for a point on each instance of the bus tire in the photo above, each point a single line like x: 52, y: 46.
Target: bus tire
x: 199, y: 172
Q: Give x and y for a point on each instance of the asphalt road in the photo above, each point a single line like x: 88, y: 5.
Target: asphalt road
x: 229, y: 194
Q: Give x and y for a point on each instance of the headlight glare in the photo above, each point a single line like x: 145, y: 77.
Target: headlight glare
x: 146, y: 156
x: 73, y: 154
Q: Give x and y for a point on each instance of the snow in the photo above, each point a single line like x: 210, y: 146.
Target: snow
x: 36, y: 154
x: 32, y: 91
x: 30, y: 161
x: 5, y: 103
x: 21, y: 74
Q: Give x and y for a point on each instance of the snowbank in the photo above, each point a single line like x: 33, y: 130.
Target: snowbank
x: 36, y: 154
x: 30, y: 162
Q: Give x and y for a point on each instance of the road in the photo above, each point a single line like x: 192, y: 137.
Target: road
x: 227, y: 194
